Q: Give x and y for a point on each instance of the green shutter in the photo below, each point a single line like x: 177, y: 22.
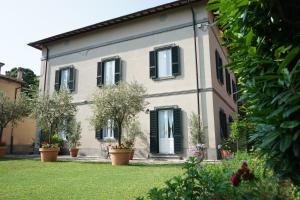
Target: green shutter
x: 100, y: 74
x: 178, y: 135
x: 228, y: 82
x: 116, y: 134
x: 219, y: 67
x: 153, y: 65
x: 234, y: 91
x: 57, y: 80
x: 71, y: 82
x: 175, y: 60
x: 153, y: 131
x: 118, y: 70
x: 99, y: 134
x: 223, y: 124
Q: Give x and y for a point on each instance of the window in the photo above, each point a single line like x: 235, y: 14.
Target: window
x: 234, y: 91
x: 165, y: 62
x: 219, y: 67
x: 166, y: 123
x: 108, y: 132
x: 65, y: 79
x: 109, y: 72
x: 223, y: 124
x: 228, y: 82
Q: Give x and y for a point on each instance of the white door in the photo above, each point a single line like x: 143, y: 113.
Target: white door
x: 166, y: 129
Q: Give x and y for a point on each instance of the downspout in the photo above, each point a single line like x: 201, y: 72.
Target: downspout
x: 46, y: 69
x: 11, y: 149
x: 196, y: 61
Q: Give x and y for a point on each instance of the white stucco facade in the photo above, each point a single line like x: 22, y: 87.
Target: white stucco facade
x: 131, y: 42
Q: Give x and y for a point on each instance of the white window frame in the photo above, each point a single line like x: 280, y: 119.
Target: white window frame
x: 108, y: 131
x: 64, y: 85
x: 164, y: 65
x: 109, y: 72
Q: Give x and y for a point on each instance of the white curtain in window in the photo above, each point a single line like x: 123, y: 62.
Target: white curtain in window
x: 164, y: 63
x: 166, y: 123
x: 108, y: 132
x: 64, y: 77
x: 109, y: 70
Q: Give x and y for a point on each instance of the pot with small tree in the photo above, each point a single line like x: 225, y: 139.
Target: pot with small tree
x: 225, y: 149
x: 11, y: 112
x: 73, y: 135
x: 133, y: 130
x: 51, y: 113
x: 117, y: 104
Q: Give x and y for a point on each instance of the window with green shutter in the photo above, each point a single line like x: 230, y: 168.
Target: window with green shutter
x: 228, y: 81
x: 223, y: 124
x: 234, y: 91
x: 154, y: 131
x: 65, y: 79
x: 165, y: 62
x: 109, y: 71
x: 219, y: 67
x: 178, y: 136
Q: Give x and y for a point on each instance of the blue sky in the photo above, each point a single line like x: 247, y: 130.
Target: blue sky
x: 24, y: 21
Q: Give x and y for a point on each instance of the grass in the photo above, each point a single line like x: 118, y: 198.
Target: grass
x: 32, y: 179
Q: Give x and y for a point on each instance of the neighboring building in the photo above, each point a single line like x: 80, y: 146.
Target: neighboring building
x: 19, y: 139
x: 156, y: 48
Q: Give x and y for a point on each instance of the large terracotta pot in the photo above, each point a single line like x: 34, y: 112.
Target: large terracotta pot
x: 119, y: 156
x: 2, y: 151
x: 226, y: 153
x: 49, y: 154
x: 74, y: 152
x: 131, y: 154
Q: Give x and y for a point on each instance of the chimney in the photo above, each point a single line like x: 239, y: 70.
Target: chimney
x: 1, y: 65
x: 20, y: 74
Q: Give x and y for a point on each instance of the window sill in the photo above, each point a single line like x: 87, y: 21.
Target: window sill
x: 164, y: 78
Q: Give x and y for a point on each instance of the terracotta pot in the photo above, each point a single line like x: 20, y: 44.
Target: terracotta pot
x: 119, y: 156
x: 131, y: 154
x: 2, y: 151
x: 74, y: 152
x: 49, y: 154
x: 226, y: 153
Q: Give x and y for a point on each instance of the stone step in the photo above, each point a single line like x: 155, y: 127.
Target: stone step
x: 165, y: 157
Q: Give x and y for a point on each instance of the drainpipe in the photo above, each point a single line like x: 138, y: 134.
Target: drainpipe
x: 11, y: 148
x: 46, y: 69
x: 196, y: 60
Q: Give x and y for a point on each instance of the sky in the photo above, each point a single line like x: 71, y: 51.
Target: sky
x: 24, y: 21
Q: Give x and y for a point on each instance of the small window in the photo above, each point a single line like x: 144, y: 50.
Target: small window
x: 108, y: 132
x: 165, y: 62
x: 109, y: 72
x: 65, y: 79
x: 219, y: 67
x: 228, y: 82
x: 223, y: 125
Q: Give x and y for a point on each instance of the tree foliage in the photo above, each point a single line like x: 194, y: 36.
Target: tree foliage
x: 12, y: 111
x: 263, y: 38
x: 29, y: 77
x: 196, y: 129
x: 119, y: 103
x: 72, y: 131
x: 53, y: 112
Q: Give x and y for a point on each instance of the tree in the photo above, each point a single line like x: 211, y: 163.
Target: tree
x: 29, y: 77
x: 53, y: 112
x: 73, y: 133
x: 12, y: 111
x: 262, y: 37
x: 117, y: 103
x: 197, y: 132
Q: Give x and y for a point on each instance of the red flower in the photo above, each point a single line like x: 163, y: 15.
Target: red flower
x: 235, y: 180
x: 44, y: 142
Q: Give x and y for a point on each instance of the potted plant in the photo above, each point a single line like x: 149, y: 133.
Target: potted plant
x: 2, y: 149
x: 52, y: 113
x: 133, y: 130
x: 73, y: 135
x: 225, y: 149
x: 119, y: 104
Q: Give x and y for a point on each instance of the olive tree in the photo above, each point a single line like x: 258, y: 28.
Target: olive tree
x: 53, y: 112
x: 117, y: 103
x: 12, y: 111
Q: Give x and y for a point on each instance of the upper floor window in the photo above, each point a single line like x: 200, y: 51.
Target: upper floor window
x: 109, y: 132
x: 223, y: 124
x: 228, y: 81
x: 165, y: 62
x: 219, y: 67
x: 109, y: 72
x: 65, y: 79
x: 234, y: 91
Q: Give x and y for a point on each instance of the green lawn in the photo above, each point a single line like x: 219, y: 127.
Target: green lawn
x: 32, y: 179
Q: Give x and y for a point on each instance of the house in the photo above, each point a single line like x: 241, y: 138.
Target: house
x: 176, y: 55
x: 19, y: 139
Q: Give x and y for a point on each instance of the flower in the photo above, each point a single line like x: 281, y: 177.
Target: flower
x: 235, y: 180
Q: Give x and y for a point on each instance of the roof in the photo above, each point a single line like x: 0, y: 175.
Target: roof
x: 175, y: 4
x: 11, y: 79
